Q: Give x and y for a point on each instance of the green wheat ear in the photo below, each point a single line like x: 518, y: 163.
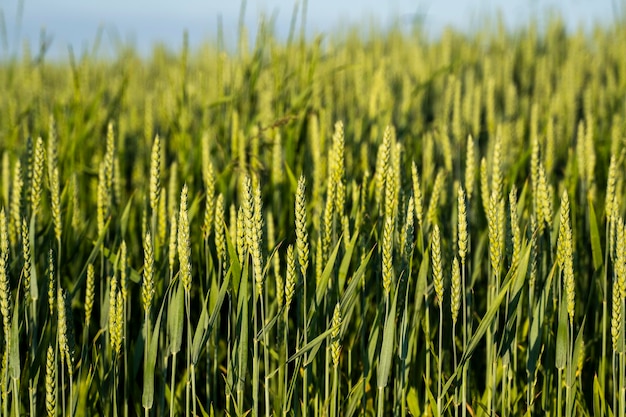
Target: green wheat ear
x: 417, y: 193
x: 616, y: 315
x: 242, y: 244
x: 184, y: 242
x: 290, y: 280
x: 470, y: 167
x: 113, y: 318
x: 455, y: 290
x: 327, y: 225
x: 5, y: 290
x: 485, y: 192
x: 253, y: 224
x: 109, y: 157
x: 53, y: 175
x: 544, y: 199
x: 432, y: 215
x: 5, y: 176
x: 89, y: 293
x: 387, y: 255
x: 51, y: 282
x: 219, y: 226
x: 382, y: 166
x: 123, y: 267
x: 209, y: 183
x: 27, y: 260
x: 147, y: 287
x: 516, y: 234
x: 565, y: 255
x: 173, y: 242
x: 15, y: 224
x: 409, y: 229
x: 302, y: 237
x: 102, y: 210
x: 620, y: 263
x: 65, y: 331
x: 335, y: 346
x: 51, y: 385
x: 172, y: 190
x: 435, y: 253
x: 494, y: 219
x: 77, y: 216
x: 337, y: 167
x: 610, y: 186
x: 462, y: 224
x: 155, y: 174
x: 496, y: 169
x: 37, y: 175
x: 257, y: 255
x: 119, y: 322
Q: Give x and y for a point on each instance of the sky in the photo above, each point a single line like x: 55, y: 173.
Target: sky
x: 142, y: 23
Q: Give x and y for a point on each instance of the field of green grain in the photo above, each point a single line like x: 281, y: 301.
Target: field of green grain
x: 343, y: 226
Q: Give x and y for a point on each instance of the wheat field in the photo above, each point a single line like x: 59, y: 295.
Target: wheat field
x: 351, y: 225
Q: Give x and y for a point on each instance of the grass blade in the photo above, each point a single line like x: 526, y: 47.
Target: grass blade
x: 596, y: 248
x: 147, y: 398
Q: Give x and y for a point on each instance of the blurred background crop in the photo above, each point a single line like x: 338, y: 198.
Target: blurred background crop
x: 141, y: 24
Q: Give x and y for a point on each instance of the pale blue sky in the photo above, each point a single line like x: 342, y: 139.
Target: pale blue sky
x: 144, y: 22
